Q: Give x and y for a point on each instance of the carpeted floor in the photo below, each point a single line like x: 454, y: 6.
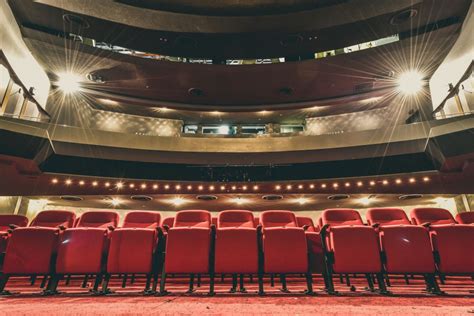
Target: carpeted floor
x: 406, y: 300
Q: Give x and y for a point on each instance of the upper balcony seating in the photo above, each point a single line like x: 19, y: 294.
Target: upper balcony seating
x: 237, y: 249
x: 387, y: 216
x: 189, y: 248
x: 351, y: 246
x: 133, y: 248
x: 465, y: 218
x: 451, y: 242
x: 406, y: 248
x: 285, y: 247
x: 63, y: 219
x: 83, y: 249
x: 8, y: 222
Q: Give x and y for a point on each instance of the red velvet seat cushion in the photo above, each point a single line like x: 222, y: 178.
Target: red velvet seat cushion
x: 278, y: 218
x: 435, y: 216
x: 235, y: 218
x: 98, y: 219
x: 187, y: 250
x: 80, y: 251
x: 142, y: 219
x: 337, y: 217
x: 465, y: 218
x: 387, y: 216
x: 285, y: 250
x: 356, y: 249
x: 54, y: 219
x: 455, y: 245
x: 192, y: 218
x: 131, y: 250
x: 7, y: 220
x: 407, y: 249
x: 29, y: 250
x: 236, y: 250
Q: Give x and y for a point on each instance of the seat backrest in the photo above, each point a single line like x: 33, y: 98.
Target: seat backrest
x: 465, y: 218
x: 387, y: 216
x: 192, y: 218
x: 169, y: 221
x: 306, y: 221
x: 278, y: 218
x: 10, y: 219
x: 142, y: 219
x: 341, y: 217
x: 214, y: 221
x: 99, y: 219
x: 54, y: 219
x: 235, y: 218
x: 433, y: 215
x: 256, y: 221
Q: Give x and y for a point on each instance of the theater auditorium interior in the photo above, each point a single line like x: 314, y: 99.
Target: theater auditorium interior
x: 236, y: 157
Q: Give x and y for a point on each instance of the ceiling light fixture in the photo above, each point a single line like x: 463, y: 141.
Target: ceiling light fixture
x: 177, y: 201
x: 69, y: 82
x: 410, y: 82
x: 119, y: 185
x: 115, y: 201
x: 68, y: 182
x: 54, y: 181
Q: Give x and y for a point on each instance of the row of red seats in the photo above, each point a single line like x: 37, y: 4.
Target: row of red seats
x: 54, y: 248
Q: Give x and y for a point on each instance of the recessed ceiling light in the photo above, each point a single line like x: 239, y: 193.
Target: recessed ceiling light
x: 69, y: 82
x: 410, y: 82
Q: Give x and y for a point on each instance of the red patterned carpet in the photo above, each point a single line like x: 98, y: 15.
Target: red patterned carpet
x: 406, y: 300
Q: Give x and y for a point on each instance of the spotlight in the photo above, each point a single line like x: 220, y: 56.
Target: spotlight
x: 323, y: 185
x: 372, y: 183
x: 426, y: 179
x: 143, y: 186
x: 155, y: 186
x: 278, y: 187
x: 131, y: 185
x: 384, y: 182
x: 347, y: 184
x: 412, y: 180
x: 189, y: 187
x: 95, y: 183
x: 69, y: 82
x: 234, y: 187
x: 359, y: 183
x: 177, y: 201
x: 335, y: 185
x: 54, y: 181
x: 288, y: 187
x: 211, y: 188
x: 255, y: 187
x: 107, y: 184
x: 302, y: 200
x: 68, y: 182
x: 119, y: 185
x: 115, y: 202
x: 244, y: 187
x: 365, y: 200
x: 398, y: 181
x: 167, y: 186
x: 200, y: 188
x: 410, y: 82
x: 222, y: 187
x: 311, y: 186
x: 178, y: 187
x: 300, y: 186
x: 81, y: 182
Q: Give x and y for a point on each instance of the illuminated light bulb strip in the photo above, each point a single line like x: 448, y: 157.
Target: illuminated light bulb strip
x: 278, y: 187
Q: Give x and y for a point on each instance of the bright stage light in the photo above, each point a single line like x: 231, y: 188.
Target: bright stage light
x: 410, y: 82
x: 69, y: 82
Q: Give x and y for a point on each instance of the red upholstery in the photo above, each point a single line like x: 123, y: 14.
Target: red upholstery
x: 306, y: 221
x: 169, y: 221
x: 465, y: 218
x: 337, y: 217
x: 455, y: 245
x: 278, y: 218
x: 356, y: 249
x: 236, y: 243
x: 187, y: 250
x: 320, y: 223
x: 80, y: 251
x: 124, y: 255
x: 141, y: 219
x: 214, y: 221
x: 29, y: 250
x: 98, y: 219
x: 314, y: 242
x: 235, y: 218
x: 54, y: 219
x: 435, y: 216
x: 5, y: 222
x: 284, y: 244
x: 285, y: 250
x: 256, y: 221
x: 192, y: 218
x: 9, y: 219
x: 387, y: 216
x: 407, y: 249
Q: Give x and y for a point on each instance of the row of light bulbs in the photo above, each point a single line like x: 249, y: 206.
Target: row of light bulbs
x: 121, y: 185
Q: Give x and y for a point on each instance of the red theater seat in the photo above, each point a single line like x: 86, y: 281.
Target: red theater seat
x: 169, y: 221
x: 188, y: 246
x: 387, y: 216
x: 350, y: 246
x: 7, y: 223
x: 465, y: 218
x: 434, y: 216
x: 125, y: 257
x: 30, y: 251
x: 306, y: 222
x: 237, y: 245
x: 214, y: 221
x: 139, y: 219
x: 83, y: 249
x: 63, y: 219
x: 98, y: 219
x: 284, y: 246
